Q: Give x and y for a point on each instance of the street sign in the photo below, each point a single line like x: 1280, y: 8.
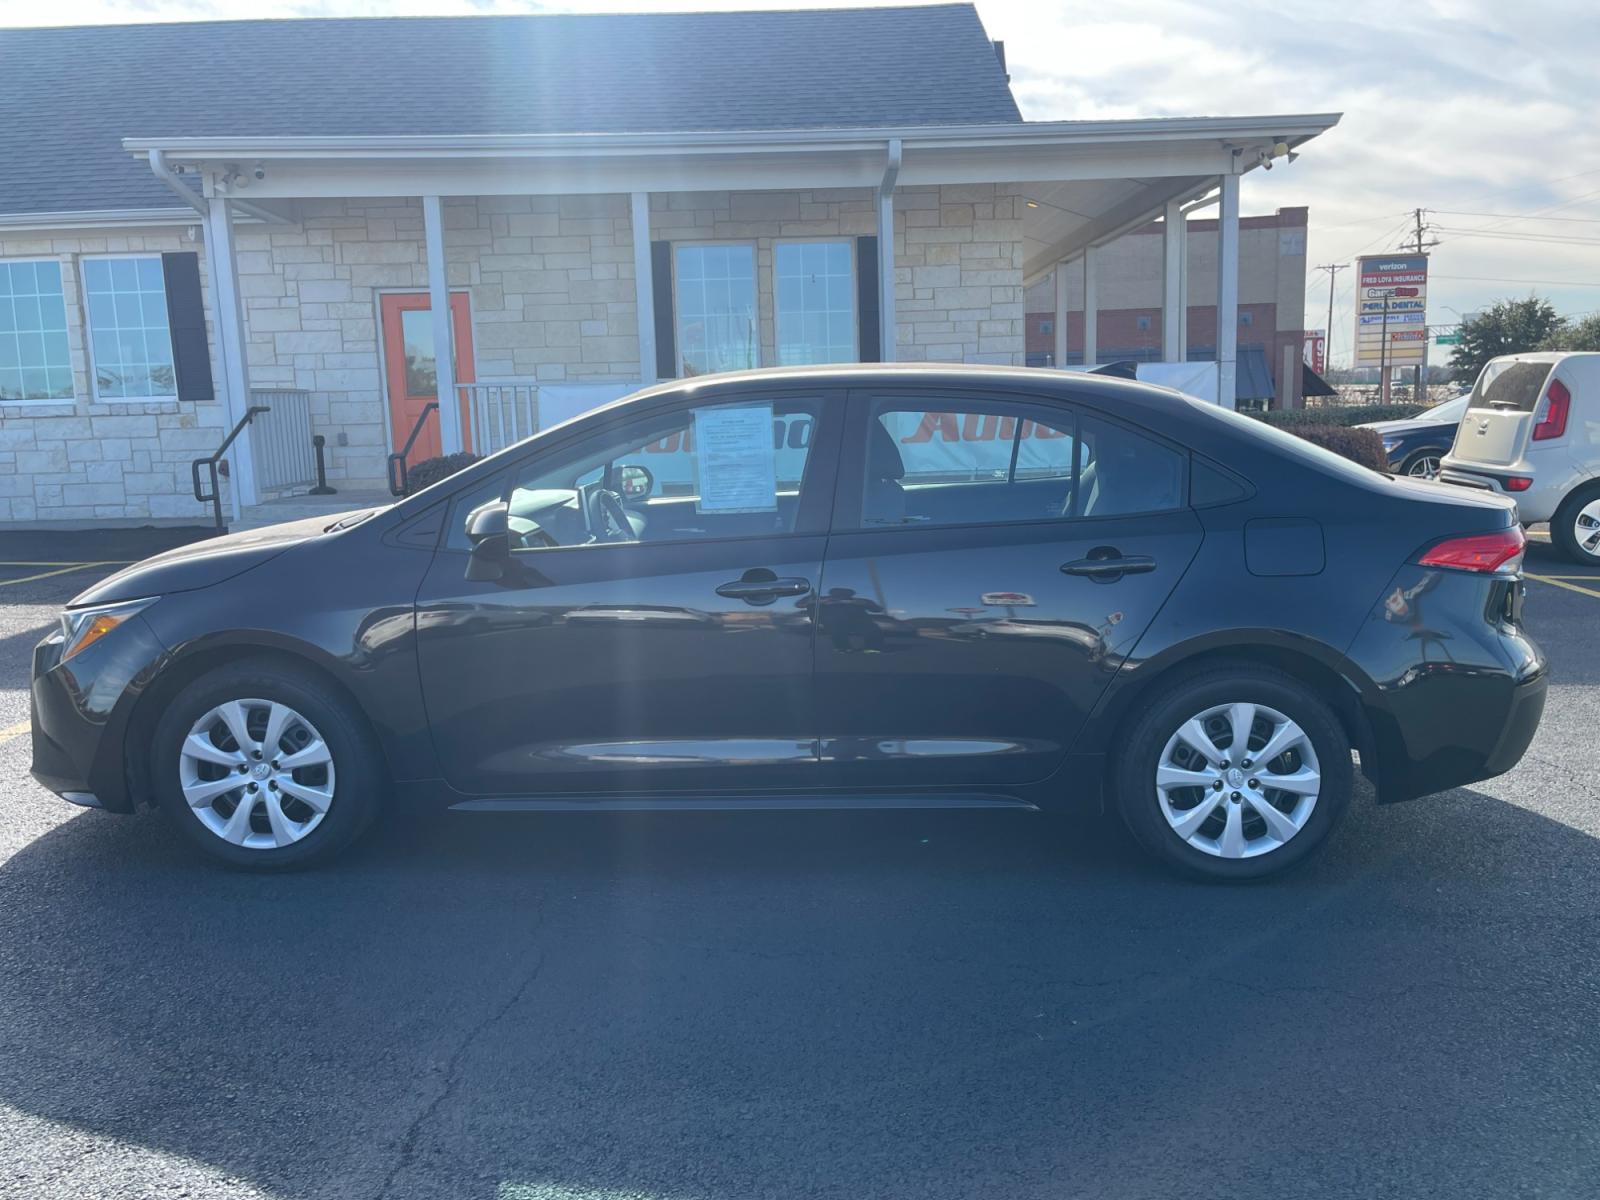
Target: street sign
x: 1448, y: 339
x: 1391, y: 311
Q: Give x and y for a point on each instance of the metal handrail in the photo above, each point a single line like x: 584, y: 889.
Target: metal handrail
x: 215, y: 495
x: 397, y: 460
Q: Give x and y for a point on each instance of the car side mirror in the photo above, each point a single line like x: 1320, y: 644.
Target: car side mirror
x: 489, y: 531
x: 635, y: 482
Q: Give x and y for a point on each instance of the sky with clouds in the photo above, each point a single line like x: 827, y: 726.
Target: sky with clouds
x: 1486, y: 113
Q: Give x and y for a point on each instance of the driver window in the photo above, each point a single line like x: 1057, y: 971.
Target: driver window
x: 710, y: 472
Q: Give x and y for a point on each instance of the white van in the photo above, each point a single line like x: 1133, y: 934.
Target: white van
x: 1532, y: 432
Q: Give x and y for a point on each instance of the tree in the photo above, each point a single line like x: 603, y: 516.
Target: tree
x: 1509, y: 327
x: 1582, y: 335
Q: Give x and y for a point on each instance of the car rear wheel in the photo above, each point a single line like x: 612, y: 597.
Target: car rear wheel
x: 1235, y: 774
x: 1575, y: 528
x: 1423, y: 465
x: 263, y: 766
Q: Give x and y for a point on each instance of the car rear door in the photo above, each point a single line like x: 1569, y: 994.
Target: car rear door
x: 993, y: 561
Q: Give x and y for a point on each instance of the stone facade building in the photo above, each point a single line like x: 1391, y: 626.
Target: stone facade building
x: 275, y: 251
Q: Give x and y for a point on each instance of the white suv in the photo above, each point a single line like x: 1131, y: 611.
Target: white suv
x: 1532, y: 432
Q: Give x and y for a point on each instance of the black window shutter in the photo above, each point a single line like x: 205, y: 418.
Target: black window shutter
x: 666, y: 324
x: 186, y: 318
x: 867, y: 319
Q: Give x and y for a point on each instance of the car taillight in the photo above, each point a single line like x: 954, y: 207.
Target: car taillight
x: 1552, y: 420
x: 1517, y: 483
x: 1486, y: 552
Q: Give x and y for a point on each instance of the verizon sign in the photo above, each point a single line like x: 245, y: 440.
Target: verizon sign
x: 1392, y: 310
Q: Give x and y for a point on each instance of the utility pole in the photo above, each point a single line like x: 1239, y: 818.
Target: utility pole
x: 1333, y: 270
x: 1421, y: 370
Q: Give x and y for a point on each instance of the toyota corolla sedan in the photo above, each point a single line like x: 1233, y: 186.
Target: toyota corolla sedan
x: 822, y: 588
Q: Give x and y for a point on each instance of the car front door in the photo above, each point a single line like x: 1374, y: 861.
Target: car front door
x: 993, y: 562
x: 650, y: 626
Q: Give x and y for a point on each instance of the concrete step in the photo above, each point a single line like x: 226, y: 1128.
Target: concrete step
x: 297, y: 508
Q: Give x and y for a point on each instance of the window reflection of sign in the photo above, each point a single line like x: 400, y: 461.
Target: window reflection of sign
x: 1008, y: 600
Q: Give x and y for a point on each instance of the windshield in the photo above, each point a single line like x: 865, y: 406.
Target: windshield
x: 1450, y: 410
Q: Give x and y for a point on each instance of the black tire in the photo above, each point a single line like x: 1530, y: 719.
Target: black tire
x: 1136, y: 760
x: 1564, y: 530
x: 357, y: 784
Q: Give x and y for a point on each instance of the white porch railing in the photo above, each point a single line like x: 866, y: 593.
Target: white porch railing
x: 499, y: 414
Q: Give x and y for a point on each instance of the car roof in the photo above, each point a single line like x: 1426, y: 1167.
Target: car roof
x: 1135, y: 399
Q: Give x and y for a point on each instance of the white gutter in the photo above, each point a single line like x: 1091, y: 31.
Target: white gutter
x: 96, y: 218
x: 168, y: 176
x: 1293, y: 129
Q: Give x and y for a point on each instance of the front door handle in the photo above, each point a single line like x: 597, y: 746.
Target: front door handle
x: 1108, y: 566
x: 763, y: 591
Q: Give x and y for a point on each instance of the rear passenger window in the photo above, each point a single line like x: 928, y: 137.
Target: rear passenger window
x: 1003, y: 462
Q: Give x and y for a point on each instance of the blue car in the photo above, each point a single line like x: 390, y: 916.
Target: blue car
x: 1416, y: 444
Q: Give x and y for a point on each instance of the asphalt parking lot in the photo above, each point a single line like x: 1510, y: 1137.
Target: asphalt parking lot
x: 763, y: 1005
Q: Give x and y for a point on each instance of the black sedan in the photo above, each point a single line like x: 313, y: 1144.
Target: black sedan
x: 1416, y: 444
x: 864, y: 587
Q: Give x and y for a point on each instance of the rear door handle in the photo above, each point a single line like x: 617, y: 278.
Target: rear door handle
x: 1110, y: 566
x: 763, y: 591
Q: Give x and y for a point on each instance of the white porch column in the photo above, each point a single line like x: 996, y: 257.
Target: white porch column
x: 223, y: 269
x: 644, y: 290
x: 1172, y: 298
x: 450, y: 436
x: 1228, y: 292
x: 1091, y: 308
x: 888, y: 329
x: 1061, y: 315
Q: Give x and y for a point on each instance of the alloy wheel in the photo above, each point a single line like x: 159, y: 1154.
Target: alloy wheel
x: 1426, y: 467
x: 1586, y: 528
x: 1238, y: 780
x: 256, y: 773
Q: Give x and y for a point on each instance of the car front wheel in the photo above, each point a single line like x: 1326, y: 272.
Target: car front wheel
x: 264, y: 766
x: 1575, y: 528
x: 1235, y: 774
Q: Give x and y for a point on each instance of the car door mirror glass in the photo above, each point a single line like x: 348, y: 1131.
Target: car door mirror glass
x: 635, y: 482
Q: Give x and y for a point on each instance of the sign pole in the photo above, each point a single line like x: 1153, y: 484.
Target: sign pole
x: 1383, y: 355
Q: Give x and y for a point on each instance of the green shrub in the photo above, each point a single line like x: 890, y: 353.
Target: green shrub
x: 1338, y: 414
x: 430, y: 470
x: 1363, y: 446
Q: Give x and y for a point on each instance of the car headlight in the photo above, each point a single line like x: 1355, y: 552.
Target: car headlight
x: 83, y: 627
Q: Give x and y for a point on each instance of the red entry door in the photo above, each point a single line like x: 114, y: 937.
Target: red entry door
x: 409, y: 367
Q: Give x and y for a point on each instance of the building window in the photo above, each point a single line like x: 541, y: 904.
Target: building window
x: 35, y: 362
x: 716, y: 306
x: 132, y: 346
x: 1047, y: 326
x: 816, y: 293
x: 1247, y: 318
x: 1143, y: 324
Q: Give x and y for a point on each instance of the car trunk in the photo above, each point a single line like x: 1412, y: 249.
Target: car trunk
x: 1494, y: 433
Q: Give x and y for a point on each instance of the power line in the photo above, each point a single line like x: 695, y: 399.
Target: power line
x: 1450, y: 212
x: 1552, y: 239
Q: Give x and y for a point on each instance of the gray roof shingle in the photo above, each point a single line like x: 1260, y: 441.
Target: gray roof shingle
x: 70, y: 94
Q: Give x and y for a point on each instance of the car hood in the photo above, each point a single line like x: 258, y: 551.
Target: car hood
x: 203, y: 564
x: 1407, y: 425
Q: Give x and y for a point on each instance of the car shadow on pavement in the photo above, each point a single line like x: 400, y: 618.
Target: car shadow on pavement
x: 786, y: 1005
